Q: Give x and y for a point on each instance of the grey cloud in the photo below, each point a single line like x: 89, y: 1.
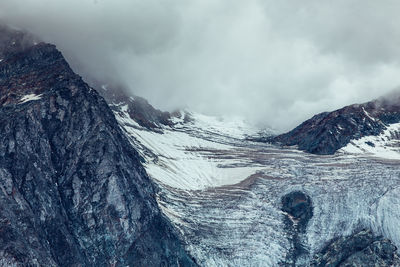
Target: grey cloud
x: 274, y: 62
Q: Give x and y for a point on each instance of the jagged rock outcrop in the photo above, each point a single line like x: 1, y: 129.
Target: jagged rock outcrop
x: 362, y: 249
x: 298, y: 206
x: 72, y: 189
x: 298, y: 210
x: 327, y: 132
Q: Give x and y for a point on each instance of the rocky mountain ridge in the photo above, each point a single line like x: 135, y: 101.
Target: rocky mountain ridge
x: 137, y: 107
x: 72, y: 190
x: 327, y: 132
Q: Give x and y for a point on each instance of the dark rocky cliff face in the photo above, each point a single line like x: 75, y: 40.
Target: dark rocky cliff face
x: 72, y: 189
x: 327, y: 132
x: 361, y: 249
x: 298, y: 210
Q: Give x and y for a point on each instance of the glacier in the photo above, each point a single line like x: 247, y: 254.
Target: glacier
x: 223, y: 191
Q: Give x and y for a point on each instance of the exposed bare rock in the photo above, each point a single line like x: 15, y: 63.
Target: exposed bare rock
x: 72, y: 189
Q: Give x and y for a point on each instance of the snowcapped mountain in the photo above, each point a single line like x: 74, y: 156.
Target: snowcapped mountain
x: 327, y: 132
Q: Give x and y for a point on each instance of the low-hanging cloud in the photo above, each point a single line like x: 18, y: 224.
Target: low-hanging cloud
x: 274, y: 62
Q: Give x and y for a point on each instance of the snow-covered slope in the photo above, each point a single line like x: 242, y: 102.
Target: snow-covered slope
x: 224, y: 192
x: 186, y: 156
x: 385, y: 145
x: 327, y: 132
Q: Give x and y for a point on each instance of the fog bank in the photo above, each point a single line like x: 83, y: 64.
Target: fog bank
x: 275, y: 62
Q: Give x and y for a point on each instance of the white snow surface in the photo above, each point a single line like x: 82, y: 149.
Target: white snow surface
x: 29, y: 97
x: 184, y: 157
x: 223, y: 193
x: 385, y: 145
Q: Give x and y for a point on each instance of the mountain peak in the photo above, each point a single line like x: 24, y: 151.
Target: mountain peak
x: 32, y: 70
x: 327, y: 132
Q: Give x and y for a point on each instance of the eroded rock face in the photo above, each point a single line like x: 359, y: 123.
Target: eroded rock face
x: 72, y: 189
x: 299, y: 207
x: 358, y: 250
x: 298, y: 210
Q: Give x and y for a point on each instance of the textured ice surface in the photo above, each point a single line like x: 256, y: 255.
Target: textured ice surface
x: 223, y: 193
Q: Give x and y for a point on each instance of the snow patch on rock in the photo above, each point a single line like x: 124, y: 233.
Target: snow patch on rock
x: 29, y: 97
x: 385, y: 145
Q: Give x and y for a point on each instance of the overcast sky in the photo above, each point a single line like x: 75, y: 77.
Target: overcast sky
x: 275, y: 62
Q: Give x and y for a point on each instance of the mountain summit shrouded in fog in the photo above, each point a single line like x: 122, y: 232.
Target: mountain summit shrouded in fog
x: 274, y: 62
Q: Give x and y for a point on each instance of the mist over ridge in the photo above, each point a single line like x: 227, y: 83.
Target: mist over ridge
x: 275, y: 63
